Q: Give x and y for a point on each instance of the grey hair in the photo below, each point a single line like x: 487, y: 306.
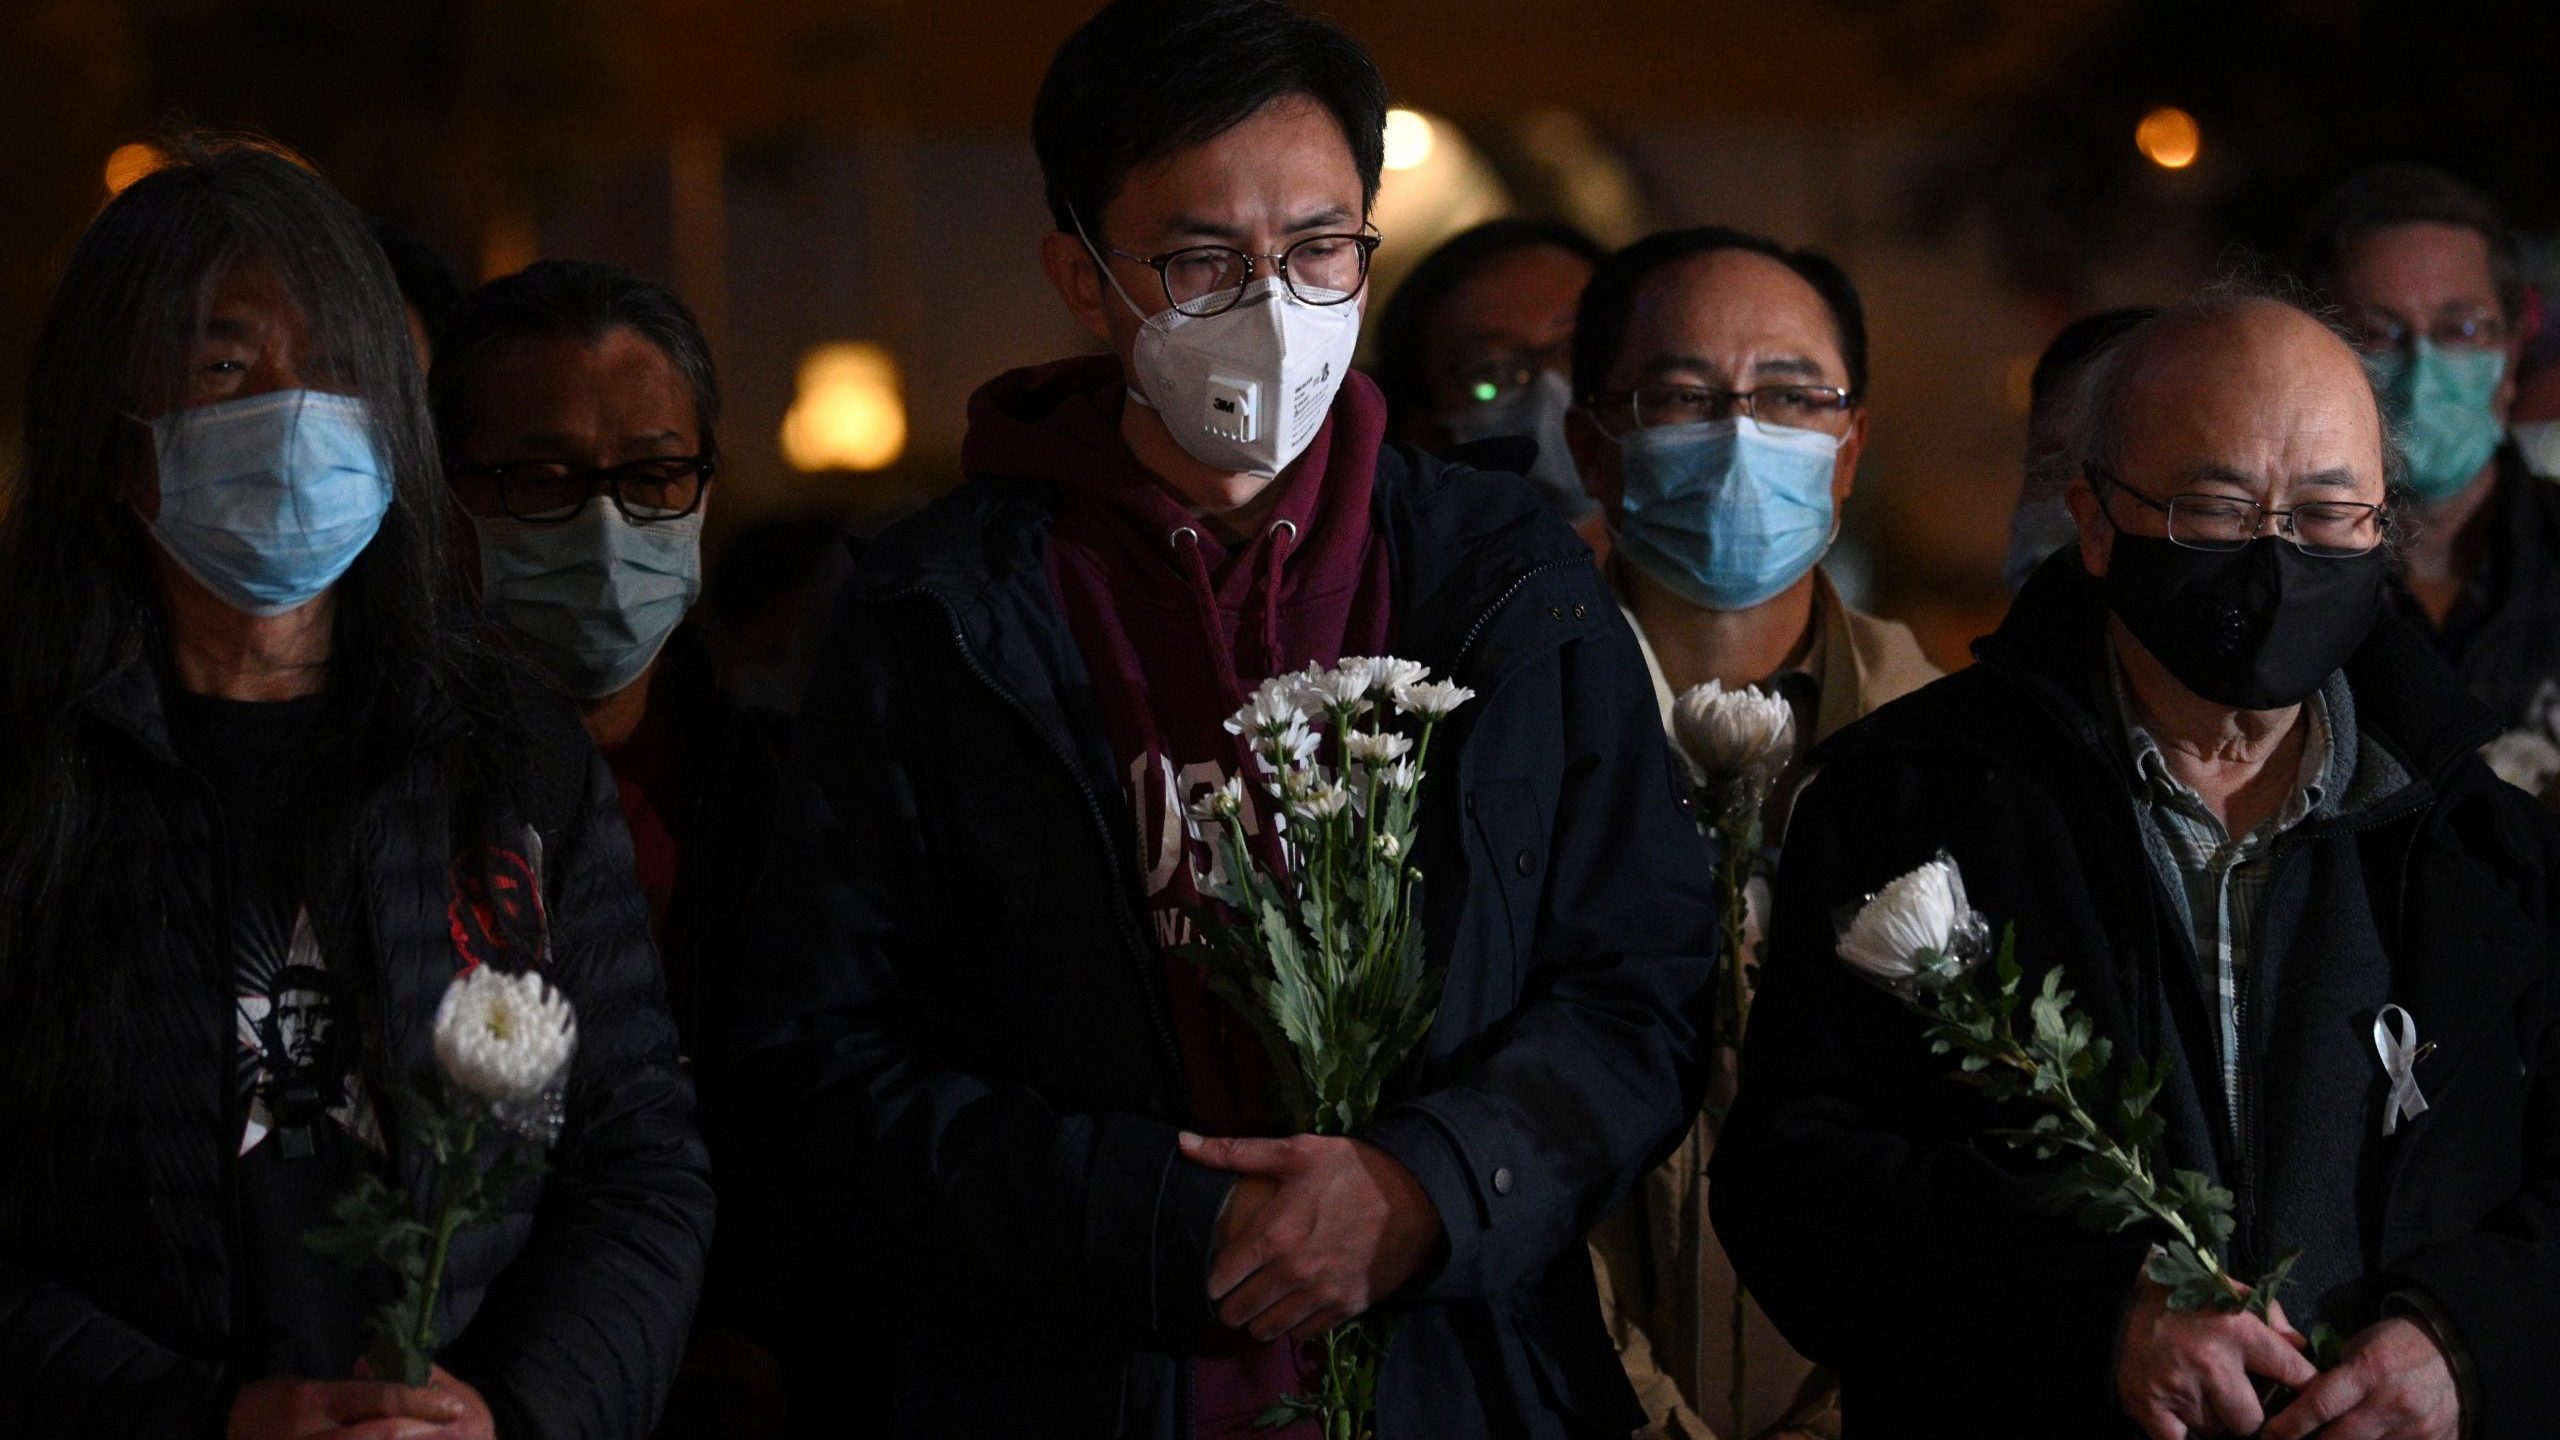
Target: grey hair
x: 2097, y: 418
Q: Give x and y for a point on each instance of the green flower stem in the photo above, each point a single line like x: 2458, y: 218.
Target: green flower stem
x: 1737, y: 822
x: 453, y: 1209
x: 2087, y: 1135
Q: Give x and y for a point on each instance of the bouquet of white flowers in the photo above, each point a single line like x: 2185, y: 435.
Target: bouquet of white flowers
x: 504, y: 1043
x: 1920, y: 940
x: 1321, y: 949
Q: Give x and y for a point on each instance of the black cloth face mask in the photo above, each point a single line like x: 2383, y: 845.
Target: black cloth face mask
x: 2257, y: 628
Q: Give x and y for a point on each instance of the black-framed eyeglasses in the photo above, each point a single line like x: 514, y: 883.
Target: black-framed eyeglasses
x: 1204, y: 280
x: 1798, y: 407
x: 547, y: 492
x: 2480, y: 330
x: 2330, y: 529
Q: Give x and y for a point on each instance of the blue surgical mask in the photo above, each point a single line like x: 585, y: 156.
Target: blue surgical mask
x: 2439, y: 399
x: 266, y: 500
x: 594, y: 597
x: 1535, y: 410
x: 1726, y: 513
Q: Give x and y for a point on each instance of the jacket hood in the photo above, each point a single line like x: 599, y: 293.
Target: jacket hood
x: 1057, y: 422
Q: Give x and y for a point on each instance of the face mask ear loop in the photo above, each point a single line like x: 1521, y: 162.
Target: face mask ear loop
x: 1104, y: 266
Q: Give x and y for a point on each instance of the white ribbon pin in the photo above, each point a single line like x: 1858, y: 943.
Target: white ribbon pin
x: 2395, y: 1039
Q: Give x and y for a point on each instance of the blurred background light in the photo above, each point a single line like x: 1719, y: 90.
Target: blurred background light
x: 1410, y: 138
x: 850, y: 412
x: 130, y: 163
x: 2169, y: 138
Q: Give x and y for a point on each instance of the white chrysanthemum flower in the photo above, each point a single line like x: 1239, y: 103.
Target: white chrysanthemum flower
x: 1274, y: 707
x: 1387, y: 674
x: 1290, y: 747
x: 1389, y: 847
x: 1223, y: 802
x: 2525, y: 759
x: 1432, y: 700
x: 1320, y: 801
x: 1345, y: 687
x: 1399, y: 776
x: 504, y: 1038
x: 1375, y: 749
x: 1745, y: 731
x: 1914, y: 929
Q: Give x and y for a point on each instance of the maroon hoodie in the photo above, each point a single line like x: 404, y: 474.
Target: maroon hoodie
x: 1177, y: 629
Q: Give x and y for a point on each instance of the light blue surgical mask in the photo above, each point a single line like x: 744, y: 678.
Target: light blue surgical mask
x: 1726, y: 513
x: 2439, y: 400
x: 1535, y: 410
x: 266, y: 500
x: 594, y: 597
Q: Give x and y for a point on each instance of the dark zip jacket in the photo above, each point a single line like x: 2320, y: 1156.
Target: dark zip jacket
x: 959, y: 987
x: 568, y: 1312
x: 2503, y: 635
x: 1888, y: 1237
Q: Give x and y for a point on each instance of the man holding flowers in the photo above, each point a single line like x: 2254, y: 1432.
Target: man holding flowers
x: 1723, y: 381
x: 980, y: 978
x: 2202, y: 773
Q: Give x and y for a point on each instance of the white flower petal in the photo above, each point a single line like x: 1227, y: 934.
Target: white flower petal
x: 1738, y: 732
x: 1909, y: 924
x: 504, y: 1037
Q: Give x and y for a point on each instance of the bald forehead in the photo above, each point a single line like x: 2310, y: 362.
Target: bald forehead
x: 2253, y: 390
x: 1732, y: 317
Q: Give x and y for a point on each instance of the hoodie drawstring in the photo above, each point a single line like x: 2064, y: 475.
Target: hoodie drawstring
x: 1194, y: 563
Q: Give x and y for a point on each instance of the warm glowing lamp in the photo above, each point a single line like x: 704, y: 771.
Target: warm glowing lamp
x: 2169, y: 138
x: 1409, y: 139
x: 130, y: 163
x: 851, y: 410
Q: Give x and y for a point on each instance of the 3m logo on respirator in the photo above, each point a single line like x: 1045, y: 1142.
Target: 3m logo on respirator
x: 1235, y: 409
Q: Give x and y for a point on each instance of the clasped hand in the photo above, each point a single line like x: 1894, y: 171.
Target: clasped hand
x: 2183, y: 1373
x: 1317, y: 1231
x: 287, y: 1408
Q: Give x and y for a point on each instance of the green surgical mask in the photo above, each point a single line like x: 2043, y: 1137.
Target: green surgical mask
x: 2439, y: 400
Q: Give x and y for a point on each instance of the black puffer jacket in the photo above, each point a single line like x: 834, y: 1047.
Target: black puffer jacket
x: 961, y: 982
x: 1887, y: 1237
x: 117, y: 1308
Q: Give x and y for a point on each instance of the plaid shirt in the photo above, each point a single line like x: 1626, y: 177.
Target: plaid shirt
x: 2220, y: 883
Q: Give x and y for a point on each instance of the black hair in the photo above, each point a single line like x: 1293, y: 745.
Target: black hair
x: 429, y: 280
x: 82, y: 905
x: 2402, y: 194
x: 567, y: 297
x: 1609, y: 302
x: 1144, y: 78
x: 1408, y: 313
x: 2080, y: 340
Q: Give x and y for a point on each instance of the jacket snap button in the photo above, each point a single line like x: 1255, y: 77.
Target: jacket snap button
x: 1502, y: 1180
x: 1526, y: 862
x: 1555, y: 612
x: 1581, y: 611
x: 1471, y: 804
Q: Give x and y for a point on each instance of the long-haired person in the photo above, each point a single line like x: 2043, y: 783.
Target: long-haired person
x: 259, y: 804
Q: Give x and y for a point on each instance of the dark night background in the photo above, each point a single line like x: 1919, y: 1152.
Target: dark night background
x: 814, y: 171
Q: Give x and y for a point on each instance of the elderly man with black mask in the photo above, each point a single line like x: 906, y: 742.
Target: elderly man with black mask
x: 2203, y: 772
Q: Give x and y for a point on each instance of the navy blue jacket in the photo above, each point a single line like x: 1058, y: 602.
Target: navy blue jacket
x: 961, y: 990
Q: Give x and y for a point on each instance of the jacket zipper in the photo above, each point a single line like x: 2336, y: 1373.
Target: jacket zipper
x: 1169, y: 1052
x: 1520, y: 582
